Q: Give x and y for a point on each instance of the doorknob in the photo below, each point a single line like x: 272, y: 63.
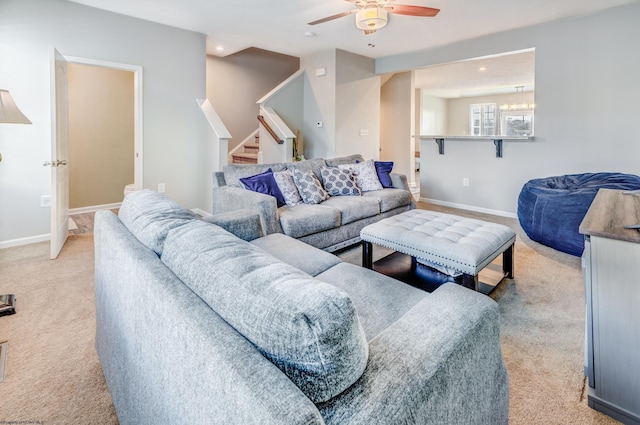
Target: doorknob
x: 57, y: 163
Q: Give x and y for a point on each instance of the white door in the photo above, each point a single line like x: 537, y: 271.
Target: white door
x: 59, y: 154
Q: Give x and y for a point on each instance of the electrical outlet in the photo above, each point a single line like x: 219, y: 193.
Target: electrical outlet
x: 160, y: 187
x: 465, y: 182
x: 364, y: 131
x: 45, y: 201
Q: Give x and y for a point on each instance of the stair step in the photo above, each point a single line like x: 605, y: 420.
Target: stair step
x: 251, y: 147
x: 244, y: 158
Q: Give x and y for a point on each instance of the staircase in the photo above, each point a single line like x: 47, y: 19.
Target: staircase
x: 249, y: 155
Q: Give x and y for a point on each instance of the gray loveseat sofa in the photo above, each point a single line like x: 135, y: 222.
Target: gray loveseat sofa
x: 197, y: 326
x: 329, y: 225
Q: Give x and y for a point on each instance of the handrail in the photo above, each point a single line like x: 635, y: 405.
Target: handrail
x: 270, y: 130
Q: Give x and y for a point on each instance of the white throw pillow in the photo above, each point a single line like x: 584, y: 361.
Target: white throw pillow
x: 366, y: 175
x: 284, y: 180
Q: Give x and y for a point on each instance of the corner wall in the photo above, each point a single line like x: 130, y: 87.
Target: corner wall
x: 586, y: 94
x: 236, y: 82
x: 173, y: 62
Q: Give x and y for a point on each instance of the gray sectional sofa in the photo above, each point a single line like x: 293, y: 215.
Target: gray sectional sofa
x: 197, y: 326
x: 330, y: 225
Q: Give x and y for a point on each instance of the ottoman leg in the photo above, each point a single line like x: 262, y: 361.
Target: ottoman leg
x: 470, y: 281
x: 507, y: 262
x: 367, y: 254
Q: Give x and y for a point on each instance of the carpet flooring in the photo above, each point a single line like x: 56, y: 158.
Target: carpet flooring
x: 53, y: 375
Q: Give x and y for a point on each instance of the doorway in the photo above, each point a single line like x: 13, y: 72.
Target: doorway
x: 60, y: 157
x: 101, y: 136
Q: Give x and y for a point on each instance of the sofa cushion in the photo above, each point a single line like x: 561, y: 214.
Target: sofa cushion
x: 366, y: 175
x: 353, y: 208
x: 150, y: 215
x: 339, y: 182
x: 309, y: 187
x: 383, y: 169
x: 296, y: 253
x: 284, y: 180
x: 305, y: 219
x: 307, y: 328
x: 390, y: 198
x: 351, y: 159
x: 234, y: 172
x: 313, y: 165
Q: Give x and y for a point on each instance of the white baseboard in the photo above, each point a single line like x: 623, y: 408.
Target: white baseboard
x: 25, y: 241
x: 201, y: 212
x: 94, y: 208
x: 470, y: 208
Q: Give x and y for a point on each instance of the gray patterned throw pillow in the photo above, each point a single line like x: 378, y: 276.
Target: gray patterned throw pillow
x: 284, y: 180
x: 309, y: 186
x: 366, y: 175
x: 339, y: 182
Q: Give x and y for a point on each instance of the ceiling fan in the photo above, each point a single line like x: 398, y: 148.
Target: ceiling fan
x: 371, y: 15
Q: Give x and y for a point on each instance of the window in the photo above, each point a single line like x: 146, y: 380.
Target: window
x: 482, y: 119
x: 517, y: 123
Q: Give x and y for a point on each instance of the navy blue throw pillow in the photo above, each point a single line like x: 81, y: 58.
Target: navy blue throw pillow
x: 264, y: 183
x: 383, y: 168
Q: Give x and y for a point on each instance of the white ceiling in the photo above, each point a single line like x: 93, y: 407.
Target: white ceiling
x: 280, y: 25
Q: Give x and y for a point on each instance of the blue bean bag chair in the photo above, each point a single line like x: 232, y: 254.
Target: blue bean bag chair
x: 551, y: 209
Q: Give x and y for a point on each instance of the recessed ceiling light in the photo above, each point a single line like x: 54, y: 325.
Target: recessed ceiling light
x: 309, y: 34
x: 482, y: 69
x: 220, y: 49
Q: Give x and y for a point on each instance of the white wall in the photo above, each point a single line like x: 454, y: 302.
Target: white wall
x: 458, y: 123
x: 586, y: 94
x: 173, y: 61
x: 433, y: 117
x: 397, y: 123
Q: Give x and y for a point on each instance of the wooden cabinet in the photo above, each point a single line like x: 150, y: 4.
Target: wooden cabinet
x: 611, y: 269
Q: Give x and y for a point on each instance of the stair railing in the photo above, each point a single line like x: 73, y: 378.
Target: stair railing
x: 272, y: 124
x: 267, y: 127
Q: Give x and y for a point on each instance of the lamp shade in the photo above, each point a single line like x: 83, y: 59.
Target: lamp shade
x: 9, y: 112
x: 371, y: 18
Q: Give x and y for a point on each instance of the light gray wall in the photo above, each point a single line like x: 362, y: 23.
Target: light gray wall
x: 236, y: 82
x: 289, y: 103
x: 357, y: 106
x: 587, y: 91
x: 173, y: 62
x: 320, y: 104
x: 346, y: 99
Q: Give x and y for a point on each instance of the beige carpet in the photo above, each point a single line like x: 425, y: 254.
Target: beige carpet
x: 53, y: 375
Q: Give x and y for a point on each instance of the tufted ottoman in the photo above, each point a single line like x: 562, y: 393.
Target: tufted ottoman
x: 451, y: 244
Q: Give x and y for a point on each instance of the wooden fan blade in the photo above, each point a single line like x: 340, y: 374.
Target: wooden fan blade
x: 367, y: 32
x: 405, y: 9
x: 331, y: 18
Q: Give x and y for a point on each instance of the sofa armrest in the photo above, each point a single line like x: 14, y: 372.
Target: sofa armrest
x: 245, y: 224
x: 439, y: 363
x: 230, y: 198
x: 399, y: 181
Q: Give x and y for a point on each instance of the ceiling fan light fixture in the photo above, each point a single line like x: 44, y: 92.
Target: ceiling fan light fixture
x: 371, y: 18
